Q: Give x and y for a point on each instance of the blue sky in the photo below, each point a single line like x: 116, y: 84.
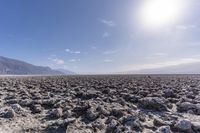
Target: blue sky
x: 96, y: 36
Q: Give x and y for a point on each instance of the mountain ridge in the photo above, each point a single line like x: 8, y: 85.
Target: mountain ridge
x: 192, y: 68
x: 9, y: 66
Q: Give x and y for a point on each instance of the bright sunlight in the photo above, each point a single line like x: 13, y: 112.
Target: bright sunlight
x: 159, y: 13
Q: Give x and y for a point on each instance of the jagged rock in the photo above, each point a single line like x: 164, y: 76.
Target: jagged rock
x: 103, y: 111
x: 81, y: 110
x: 148, y: 131
x: 158, y: 122
x: 106, y: 91
x: 183, y: 125
x: 189, y: 107
x: 75, y: 129
x: 130, y: 97
x: 190, y: 95
x: 17, y: 108
x: 111, y: 126
x: 185, y: 106
x: 153, y: 103
x: 136, y: 125
x: 142, y: 116
x: 164, y: 129
x: 36, y: 108
x: 99, y: 124
x: 90, y: 95
x: 56, y: 125
x: 47, y: 103
x: 91, y: 115
x: 69, y: 120
x: 196, y: 126
x: 56, y: 113
x: 143, y: 93
x: 8, y: 113
x: 128, y: 120
x: 168, y: 93
x: 25, y: 103
x: 197, y: 109
x: 117, y: 112
x: 12, y: 101
x: 67, y: 114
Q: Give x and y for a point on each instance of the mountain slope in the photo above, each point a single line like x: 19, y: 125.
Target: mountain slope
x: 67, y: 72
x: 193, y: 68
x: 16, y: 67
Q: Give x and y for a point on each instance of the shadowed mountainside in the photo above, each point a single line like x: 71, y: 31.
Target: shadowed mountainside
x: 10, y: 66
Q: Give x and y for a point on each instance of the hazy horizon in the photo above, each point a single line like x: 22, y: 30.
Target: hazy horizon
x: 91, y: 36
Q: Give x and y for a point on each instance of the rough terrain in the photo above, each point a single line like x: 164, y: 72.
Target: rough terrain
x: 100, y: 104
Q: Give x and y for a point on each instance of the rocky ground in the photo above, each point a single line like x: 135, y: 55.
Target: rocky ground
x: 100, y: 104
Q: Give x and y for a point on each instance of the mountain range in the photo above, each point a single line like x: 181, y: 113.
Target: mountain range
x: 192, y: 68
x: 10, y: 66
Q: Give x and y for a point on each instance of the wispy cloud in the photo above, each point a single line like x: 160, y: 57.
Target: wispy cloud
x: 74, y: 60
x: 67, y: 50
x: 75, y: 52
x: 107, y: 60
x: 177, y: 62
x: 72, y: 52
x: 93, y: 47
x: 53, y: 55
x: 161, y: 54
x: 186, y: 26
x: 105, y: 35
x: 157, y: 55
x: 57, y: 61
x: 109, y: 23
x: 109, y: 52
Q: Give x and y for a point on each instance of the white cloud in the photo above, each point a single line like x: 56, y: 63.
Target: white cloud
x: 109, y: 52
x: 161, y: 54
x: 75, y: 52
x: 108, y: 22
x: 72, y: 52
x: 57, y: 61
x: 53, y: 55
x: 105, y: 35
x: 93, y: 47
x: 107, y: 60
x: 157, y: 55
x: 74, y: 60
x: 181, y: 61
x: 186, y: 27
x: 67, y: 50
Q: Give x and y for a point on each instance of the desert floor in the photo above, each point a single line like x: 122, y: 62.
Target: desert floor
x: 98, y: 104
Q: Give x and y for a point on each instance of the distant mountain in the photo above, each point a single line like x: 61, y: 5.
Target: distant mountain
x: 10, y: 66
x: 193, y: 68
x: 67, y: 72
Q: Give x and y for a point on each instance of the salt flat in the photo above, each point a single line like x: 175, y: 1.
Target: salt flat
x: 100, y: 103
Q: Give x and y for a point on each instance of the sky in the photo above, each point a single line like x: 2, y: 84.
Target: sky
x: 101, y: 36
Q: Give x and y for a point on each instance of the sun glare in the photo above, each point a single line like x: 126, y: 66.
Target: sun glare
x: 158, y: 13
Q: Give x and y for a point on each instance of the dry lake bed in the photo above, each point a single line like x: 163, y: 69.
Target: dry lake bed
x: 100, y: 104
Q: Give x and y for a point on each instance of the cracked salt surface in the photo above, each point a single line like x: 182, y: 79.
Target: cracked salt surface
x: 97, y: 104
